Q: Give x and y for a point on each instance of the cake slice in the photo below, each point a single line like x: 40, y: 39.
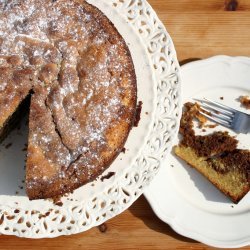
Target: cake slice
x: 232, y: 180
x: 215, y: 156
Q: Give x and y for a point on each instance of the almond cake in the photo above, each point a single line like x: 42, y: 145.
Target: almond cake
x: 68, y: 60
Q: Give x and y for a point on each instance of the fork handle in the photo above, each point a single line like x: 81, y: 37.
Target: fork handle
x: 243, y: 127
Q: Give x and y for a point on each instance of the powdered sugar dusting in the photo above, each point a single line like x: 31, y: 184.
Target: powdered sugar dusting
x: 84, y: 71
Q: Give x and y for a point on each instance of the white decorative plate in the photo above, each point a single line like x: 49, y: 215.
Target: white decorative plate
x: 179, y: 195
x: 157, y: 73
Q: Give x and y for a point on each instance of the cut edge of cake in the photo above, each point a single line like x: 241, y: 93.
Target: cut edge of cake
x: 227, y: 183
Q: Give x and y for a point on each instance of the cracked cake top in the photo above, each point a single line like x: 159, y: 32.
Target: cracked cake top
x: 83, y: 85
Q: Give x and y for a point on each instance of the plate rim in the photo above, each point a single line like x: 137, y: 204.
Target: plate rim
x: 189, y: 234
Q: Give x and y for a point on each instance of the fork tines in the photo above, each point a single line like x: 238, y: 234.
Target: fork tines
x: 217, y: 112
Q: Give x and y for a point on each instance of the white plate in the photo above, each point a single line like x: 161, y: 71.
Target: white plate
x: 179, y: 195
x: 157, y: 72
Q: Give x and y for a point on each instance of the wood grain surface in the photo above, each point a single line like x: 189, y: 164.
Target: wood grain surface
x: 202, y: 29
x: 199, y: 29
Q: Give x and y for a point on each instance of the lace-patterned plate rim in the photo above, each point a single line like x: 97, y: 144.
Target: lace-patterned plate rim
x: 44, y: 219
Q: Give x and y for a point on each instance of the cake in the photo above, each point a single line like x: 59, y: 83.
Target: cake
x: 69, y: 63
x: 215, y: 156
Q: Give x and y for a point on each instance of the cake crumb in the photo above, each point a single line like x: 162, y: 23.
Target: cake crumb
x: 25, y: 147
x: 245, y: 101
x: 107, y: 176
x: 222, y: 98
x: 8, y: 145
x: 138, y: 114
x: 60, y: 204
x: 57, y: 200
x: 211, y: 126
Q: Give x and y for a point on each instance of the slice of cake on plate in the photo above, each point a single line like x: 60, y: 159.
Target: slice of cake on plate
x: 215, y: 156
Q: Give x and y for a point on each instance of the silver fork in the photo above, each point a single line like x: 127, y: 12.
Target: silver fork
x: 225, y: 116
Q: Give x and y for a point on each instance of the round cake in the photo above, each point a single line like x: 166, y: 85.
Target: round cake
x: 69, y: 60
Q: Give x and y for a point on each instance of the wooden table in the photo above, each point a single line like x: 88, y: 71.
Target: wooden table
x: 199, y: 29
